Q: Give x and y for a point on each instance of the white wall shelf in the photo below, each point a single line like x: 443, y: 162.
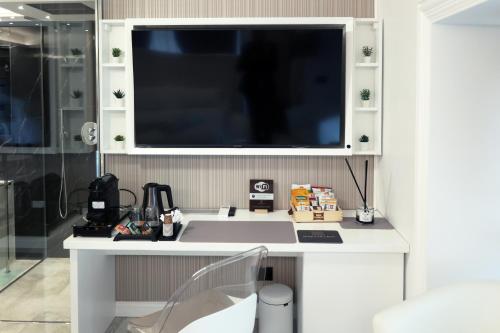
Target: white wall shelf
x: 119, y: 120
x: 73, y: 108
x: 116, y: 151
x: 72, y: 66
x: 369, y: 109
x: 114, y: 108
x: 113, y: 77
x: 368, y: 120
x: 113, y: 65
x: 365, y: 152
x: 367, y: 65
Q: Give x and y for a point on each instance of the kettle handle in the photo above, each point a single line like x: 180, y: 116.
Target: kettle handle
x: 168, y: 191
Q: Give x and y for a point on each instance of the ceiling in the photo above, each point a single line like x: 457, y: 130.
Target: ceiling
x: 487, y: 13
x: 20, y: 20
x: 15, y: 11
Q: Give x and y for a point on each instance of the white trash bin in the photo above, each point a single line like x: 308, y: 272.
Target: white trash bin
x: 275, y: 309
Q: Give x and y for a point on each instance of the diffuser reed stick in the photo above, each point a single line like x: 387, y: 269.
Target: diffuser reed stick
x: 363, y: 197
x: 366, y: 180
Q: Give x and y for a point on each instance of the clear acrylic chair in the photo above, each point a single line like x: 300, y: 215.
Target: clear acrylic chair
x: 221, y: 297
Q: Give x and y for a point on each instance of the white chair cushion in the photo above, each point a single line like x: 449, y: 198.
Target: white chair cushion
x: 238, y: 318
x: 198, y: 306
x: 462, y: 308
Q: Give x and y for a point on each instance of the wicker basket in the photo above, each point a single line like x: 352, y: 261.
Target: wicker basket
x: 318, y: 216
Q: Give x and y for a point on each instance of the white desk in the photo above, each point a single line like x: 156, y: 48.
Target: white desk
x: 339, y: 286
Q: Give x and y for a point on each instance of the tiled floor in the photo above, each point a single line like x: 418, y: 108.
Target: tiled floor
x: 17, y: 268
x: 39, y: 301
x: 16, y: 327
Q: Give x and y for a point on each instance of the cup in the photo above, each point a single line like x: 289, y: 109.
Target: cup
x: 168, y: 226
x: 135, y: 216
x: 152, y: 216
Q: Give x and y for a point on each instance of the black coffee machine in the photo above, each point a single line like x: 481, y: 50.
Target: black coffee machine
x: 152, y: 204
x: 103, y: 208
x: 104, y: 200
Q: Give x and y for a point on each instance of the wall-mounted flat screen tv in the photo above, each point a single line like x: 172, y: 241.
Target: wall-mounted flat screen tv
x: 239, y: 86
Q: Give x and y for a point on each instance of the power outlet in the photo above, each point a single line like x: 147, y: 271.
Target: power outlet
x: 266, y: 274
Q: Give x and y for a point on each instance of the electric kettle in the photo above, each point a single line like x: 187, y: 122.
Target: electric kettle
x: 152, y: 205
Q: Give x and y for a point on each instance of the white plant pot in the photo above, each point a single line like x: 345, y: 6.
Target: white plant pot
x: 364, y: 146
x: 118, y: 145
x: 76, y: 102
x: 116, y: 60
x: 367, y: 59
x: 76, y: 59
x: 118, y: 102
x: 365, y: 103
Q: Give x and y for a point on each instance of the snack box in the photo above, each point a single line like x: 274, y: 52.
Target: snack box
x: 316, y: 216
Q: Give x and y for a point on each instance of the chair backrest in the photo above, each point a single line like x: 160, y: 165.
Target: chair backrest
x: 213, y: 289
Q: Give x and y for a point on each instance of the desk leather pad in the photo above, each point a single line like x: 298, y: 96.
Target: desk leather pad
x: 238, y: 232
x: 380, y: 223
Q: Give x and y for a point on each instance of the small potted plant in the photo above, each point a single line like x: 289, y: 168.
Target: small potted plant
x: 76, y: 98
x: 76, y: 54
x: 365, y: 97
x: 77, y: 141
x: 364, y: 142
x: 367, y: 54
x: 119, y: 142
x: 119, y: 97
x: 116, y: 55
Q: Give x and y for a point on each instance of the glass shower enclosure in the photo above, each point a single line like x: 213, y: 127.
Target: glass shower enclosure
x: 47, y: 92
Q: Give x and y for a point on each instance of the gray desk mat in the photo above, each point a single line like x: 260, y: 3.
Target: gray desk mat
x: 238, y: 232
x: 379, y: 224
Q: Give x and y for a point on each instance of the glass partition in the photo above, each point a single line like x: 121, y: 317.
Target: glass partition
x: 47, y: 92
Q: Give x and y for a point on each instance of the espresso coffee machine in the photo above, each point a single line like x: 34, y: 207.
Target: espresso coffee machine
x: 103, y: 208
x: 104, y: 200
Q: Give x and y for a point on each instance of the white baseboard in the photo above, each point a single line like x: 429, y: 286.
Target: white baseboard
x: 137, y: 309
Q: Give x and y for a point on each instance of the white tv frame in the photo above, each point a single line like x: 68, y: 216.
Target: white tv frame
x: 348, y: 22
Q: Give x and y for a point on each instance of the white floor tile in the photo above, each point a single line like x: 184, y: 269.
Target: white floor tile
x: 40, y: 295
x: 10, y: 327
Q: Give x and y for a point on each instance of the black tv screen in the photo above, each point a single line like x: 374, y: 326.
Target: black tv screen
x: 252, y: 86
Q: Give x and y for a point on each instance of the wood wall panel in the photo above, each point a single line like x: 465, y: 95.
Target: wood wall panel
x: 155, y: 278
x: 207, y: 182
x: 120, y: 9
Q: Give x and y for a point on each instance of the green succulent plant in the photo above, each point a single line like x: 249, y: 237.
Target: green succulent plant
x: 365, y: 94
x: 116, y: 52
x: 76, y: 52
x: 119, y: 138
x: 76, y: 94
x: 364, y: 138
x: 367, y: 51
x: 119, y: 93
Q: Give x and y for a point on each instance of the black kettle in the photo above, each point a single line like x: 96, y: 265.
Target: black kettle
x: 152, y: 197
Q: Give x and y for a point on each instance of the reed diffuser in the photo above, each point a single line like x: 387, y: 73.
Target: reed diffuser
x: 364, y: 214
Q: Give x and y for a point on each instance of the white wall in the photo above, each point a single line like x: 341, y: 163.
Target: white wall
x: 463, y: 230
x: 395, y: 170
